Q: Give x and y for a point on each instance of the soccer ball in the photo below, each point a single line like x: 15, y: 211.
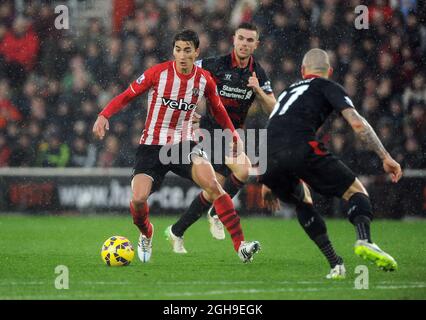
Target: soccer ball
x: 117, y: 251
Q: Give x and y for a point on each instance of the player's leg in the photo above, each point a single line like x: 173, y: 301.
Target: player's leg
x: 297, y: 192
x: 315, y: 227
x: 289, y: 188
x: 360, y: 214
x: 141, y: 188
x: 237, y: 173
x: 216, y: 227
x: 197, y: 207
x: 360, y: 210
x: 148, y: 173
x: 204, y: 175
x: 329, y: 176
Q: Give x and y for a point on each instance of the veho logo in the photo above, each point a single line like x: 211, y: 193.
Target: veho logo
x: 179, y: 105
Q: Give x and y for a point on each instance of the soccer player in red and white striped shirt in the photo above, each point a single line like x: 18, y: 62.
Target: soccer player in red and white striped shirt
x: 174, y: 90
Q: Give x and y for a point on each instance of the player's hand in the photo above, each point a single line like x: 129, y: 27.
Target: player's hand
x: 253, y: 82
x: 196, y: 118
x: 100, y: 126
x: 393, y: 168
x: 270, y: 201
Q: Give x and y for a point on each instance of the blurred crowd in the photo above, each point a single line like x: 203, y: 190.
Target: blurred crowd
x: 53, y: 83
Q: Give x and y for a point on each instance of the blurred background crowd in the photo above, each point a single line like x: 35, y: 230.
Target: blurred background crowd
x: 54, y: 82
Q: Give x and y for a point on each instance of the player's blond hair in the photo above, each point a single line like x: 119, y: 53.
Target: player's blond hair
x: 316, y: 61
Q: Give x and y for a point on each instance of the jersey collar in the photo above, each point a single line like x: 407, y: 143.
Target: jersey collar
x: 234, y: 61
x: 185, y: 76
x: 310, y: 76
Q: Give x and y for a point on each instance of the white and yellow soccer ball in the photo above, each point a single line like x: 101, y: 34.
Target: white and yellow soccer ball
x: 117, y: 251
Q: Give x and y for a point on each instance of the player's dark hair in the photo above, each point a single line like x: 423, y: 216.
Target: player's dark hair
x: 248, y: 26
x: 187, y: 35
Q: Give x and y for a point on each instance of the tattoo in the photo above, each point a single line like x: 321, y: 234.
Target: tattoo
x: 372, y: 141
x: 365, y: 132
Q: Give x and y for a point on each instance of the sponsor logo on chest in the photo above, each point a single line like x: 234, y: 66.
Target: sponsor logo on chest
x: 178, y: 104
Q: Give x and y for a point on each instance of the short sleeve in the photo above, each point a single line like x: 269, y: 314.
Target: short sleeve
x: 264, y: 81
x: 337, y: 97
x: 211, y: 89
x: 206, y: 64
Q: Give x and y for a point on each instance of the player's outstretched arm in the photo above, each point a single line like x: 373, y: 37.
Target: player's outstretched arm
x: 366, y: 134
x: 114, y: 106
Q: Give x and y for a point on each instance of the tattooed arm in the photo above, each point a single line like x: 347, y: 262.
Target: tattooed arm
x: 366, y: 134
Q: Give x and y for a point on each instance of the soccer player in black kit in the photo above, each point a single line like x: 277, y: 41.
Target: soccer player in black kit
x: 296, y: 160
x: 240, y: 81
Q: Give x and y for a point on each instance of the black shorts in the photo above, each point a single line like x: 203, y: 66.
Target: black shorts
x: 311, y: 162
x: 155, y: 161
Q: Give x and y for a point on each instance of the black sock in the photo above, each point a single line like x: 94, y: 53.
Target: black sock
x: 360, y: 214
x: 315, y: 228
x: 362, y: 227
x: 231, y: 186
x: 198, y: 206
x: 327, y: 250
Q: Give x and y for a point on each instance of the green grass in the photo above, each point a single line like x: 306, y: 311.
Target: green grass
x: 288, y: 267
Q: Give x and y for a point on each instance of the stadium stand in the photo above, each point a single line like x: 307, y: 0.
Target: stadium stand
x: 54, y: 82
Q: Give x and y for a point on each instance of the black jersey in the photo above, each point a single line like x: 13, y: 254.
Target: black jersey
x: 232, y: 87
x: 302, y: 108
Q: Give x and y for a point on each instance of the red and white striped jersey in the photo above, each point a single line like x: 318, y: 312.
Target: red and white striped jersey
x: 172, y: 100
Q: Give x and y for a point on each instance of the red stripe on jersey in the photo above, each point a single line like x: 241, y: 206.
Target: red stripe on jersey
x: 149, y: 116
x: 187, y: 131
x: 176, y: 113
x: 156, y: 74
x: 162, y: 109
x: 151, y: 109
x: 168, y: 119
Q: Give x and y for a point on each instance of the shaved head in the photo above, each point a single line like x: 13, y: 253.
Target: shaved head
x: 316, y: 61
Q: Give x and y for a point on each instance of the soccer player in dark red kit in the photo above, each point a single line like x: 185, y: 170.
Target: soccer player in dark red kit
x: 175, y: 89
x: 241, y: 81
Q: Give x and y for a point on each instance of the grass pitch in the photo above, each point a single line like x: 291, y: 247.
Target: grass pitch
x: 289, y: 266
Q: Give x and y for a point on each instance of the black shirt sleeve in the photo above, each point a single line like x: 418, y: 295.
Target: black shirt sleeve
x: 337, y: 97
x: 206, y: 64
x: 264, y: 81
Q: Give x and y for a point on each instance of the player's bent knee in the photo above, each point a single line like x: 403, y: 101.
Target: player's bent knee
x: 242, y: 173
x: 360, y: 209
x: 213, y: 189
x: 307, y: 195
x: 139, y: 200
x: 356, y: 187
x: 241, y: 169
x: 299, y: 195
